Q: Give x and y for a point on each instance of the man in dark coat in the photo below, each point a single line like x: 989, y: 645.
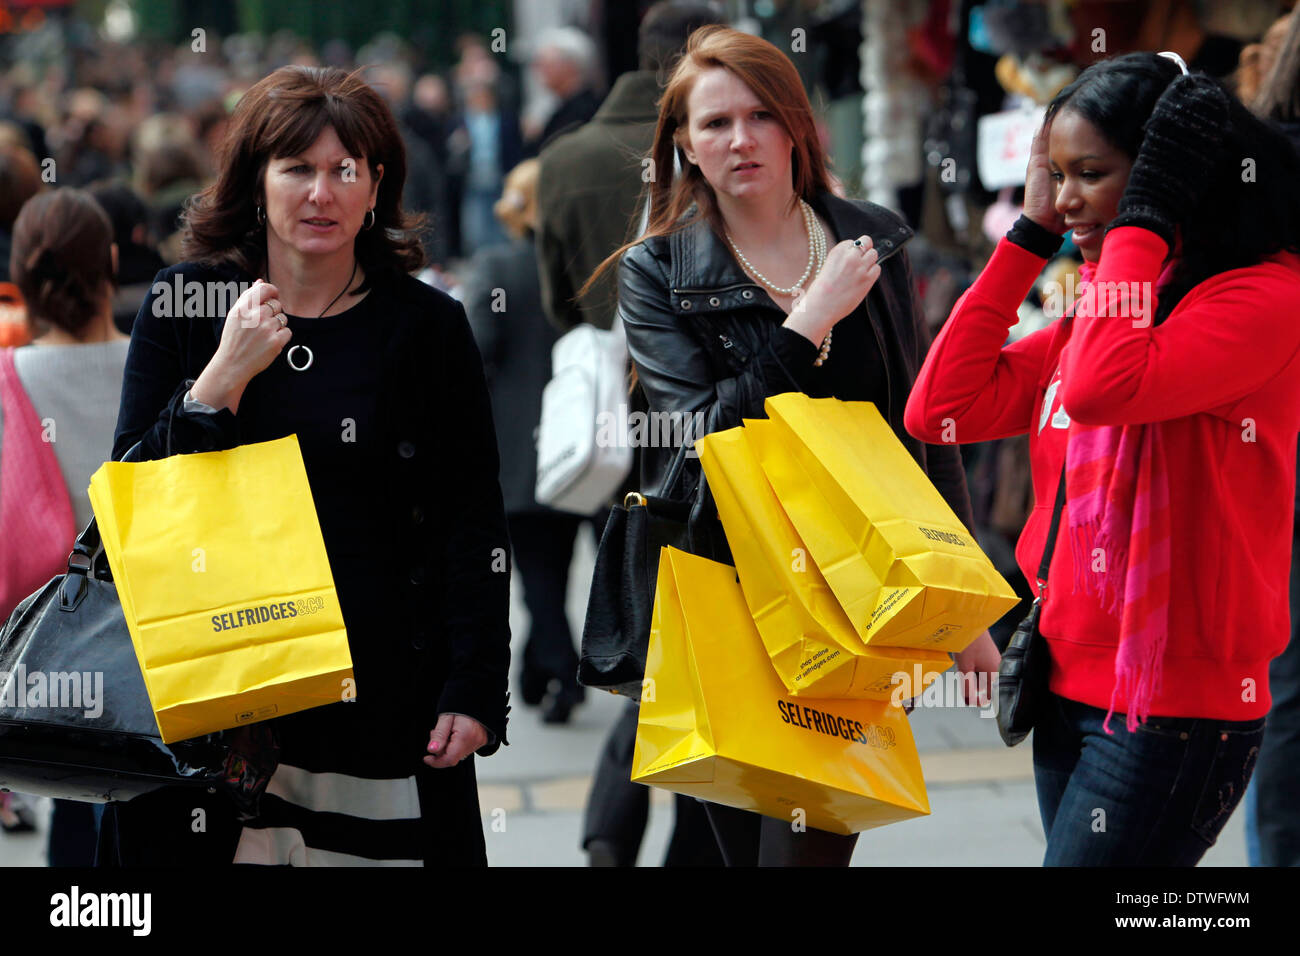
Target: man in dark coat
x: 588, y: 198
x: 565, y: 61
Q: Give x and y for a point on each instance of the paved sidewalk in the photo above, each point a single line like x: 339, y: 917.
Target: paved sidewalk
x: 983, y: 810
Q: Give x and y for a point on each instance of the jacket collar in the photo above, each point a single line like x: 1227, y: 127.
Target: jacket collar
x: 631, y: 99
x: 703, y: 263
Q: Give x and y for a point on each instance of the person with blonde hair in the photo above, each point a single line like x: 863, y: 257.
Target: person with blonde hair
x: 504, y: 302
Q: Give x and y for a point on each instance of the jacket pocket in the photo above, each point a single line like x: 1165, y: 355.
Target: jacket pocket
x: 734, y: 356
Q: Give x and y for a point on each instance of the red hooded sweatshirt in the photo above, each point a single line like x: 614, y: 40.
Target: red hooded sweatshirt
x: 1221, y: 376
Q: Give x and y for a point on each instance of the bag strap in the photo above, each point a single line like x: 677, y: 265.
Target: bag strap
x: 88, y: 555
x: 1051, y: 537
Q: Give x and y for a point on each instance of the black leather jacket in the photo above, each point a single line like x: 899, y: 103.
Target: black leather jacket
x: 704, y: 337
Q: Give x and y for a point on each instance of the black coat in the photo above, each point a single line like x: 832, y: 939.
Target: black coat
x: 705, y: 337
x: 597, y: 167
x: 437, y: 510
x: 504, y: 305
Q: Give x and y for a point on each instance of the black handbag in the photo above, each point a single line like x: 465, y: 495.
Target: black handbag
x: 1026, y: 661
x: 101, y: 742
x: 616, y: 632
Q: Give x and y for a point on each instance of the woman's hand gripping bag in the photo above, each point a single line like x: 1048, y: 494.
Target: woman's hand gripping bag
x: 807, y: 635
x: 717, y: 723
x: 904, y: 567
x: 225, y: 585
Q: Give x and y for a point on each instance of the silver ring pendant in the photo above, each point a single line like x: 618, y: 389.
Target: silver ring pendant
x: 299, y: 368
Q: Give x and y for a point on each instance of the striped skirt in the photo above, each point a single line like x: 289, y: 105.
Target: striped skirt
x: 333, y: 819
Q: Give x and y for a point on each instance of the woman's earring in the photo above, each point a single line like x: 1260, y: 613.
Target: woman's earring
x: 261, y: 215
x: 371, y: 223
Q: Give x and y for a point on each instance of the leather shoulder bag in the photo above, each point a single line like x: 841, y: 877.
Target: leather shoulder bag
x: 616, y: 632
x: 1026, y: 661
x: 75, y: 718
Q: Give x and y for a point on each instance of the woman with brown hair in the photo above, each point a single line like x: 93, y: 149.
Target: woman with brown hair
x: 748, y: 267
x: 377, y: 374
x: 56, y: 419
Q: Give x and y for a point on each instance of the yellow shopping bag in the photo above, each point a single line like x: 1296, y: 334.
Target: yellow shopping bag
x: 716, y: 722
x: 812, y: 645
x: 904, y: 567
x: 225, y: 585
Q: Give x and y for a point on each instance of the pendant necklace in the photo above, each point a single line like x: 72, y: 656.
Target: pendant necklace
x: 288, y: 356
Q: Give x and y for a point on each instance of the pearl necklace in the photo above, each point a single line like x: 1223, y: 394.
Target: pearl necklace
x: 809, y: 222
x: 816, y: 259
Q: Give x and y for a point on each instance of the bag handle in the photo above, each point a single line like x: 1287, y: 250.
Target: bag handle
x: 87, y: 556
x: 1051, y: 538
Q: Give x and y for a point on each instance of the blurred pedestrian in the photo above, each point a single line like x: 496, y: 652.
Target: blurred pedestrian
x: 564, y: 60
x: 168, y: 170
x: 61, y: 391
x: 138, y: 260
x: 1269, y: 83
x: 503, y: 302
x: 601, y: 166
x: 425, y: 186
x: 20, y: 180
x: 485, y: 146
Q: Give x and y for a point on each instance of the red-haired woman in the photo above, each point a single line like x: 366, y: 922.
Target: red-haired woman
x: 747, y: 265
x: 378, y: 376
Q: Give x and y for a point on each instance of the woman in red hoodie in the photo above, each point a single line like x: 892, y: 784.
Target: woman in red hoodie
x: 1170, y: 401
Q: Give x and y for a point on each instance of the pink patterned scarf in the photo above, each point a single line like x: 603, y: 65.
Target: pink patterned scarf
x: 1117, y: 486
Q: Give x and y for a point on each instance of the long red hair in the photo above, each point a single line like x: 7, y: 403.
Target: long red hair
x: 774, y: 80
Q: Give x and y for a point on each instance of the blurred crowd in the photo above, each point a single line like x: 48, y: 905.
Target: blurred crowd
x: 140, y: 126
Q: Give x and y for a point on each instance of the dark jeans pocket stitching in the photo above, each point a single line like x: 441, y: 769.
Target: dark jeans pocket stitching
x: 1212, y: 807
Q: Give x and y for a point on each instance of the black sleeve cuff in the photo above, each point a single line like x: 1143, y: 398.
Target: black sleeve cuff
x: 1032, y: 237
x: 795, y: 355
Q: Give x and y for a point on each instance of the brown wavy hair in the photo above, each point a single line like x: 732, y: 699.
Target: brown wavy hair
x: 281, y: 116
x: 770, y: 74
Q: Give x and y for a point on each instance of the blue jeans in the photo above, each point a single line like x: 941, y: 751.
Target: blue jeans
x: 1272, y: 804
x: 1157, y: 797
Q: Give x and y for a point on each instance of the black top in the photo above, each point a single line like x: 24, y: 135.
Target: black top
x: 332, y: 407
x: 854, y: 371
x: 394, y: 423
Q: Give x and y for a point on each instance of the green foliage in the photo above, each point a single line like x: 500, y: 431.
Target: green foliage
x: 431, y: 26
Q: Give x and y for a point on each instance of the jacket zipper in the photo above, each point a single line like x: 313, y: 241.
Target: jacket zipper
x: 728, y: 344
x: 725, y: 288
